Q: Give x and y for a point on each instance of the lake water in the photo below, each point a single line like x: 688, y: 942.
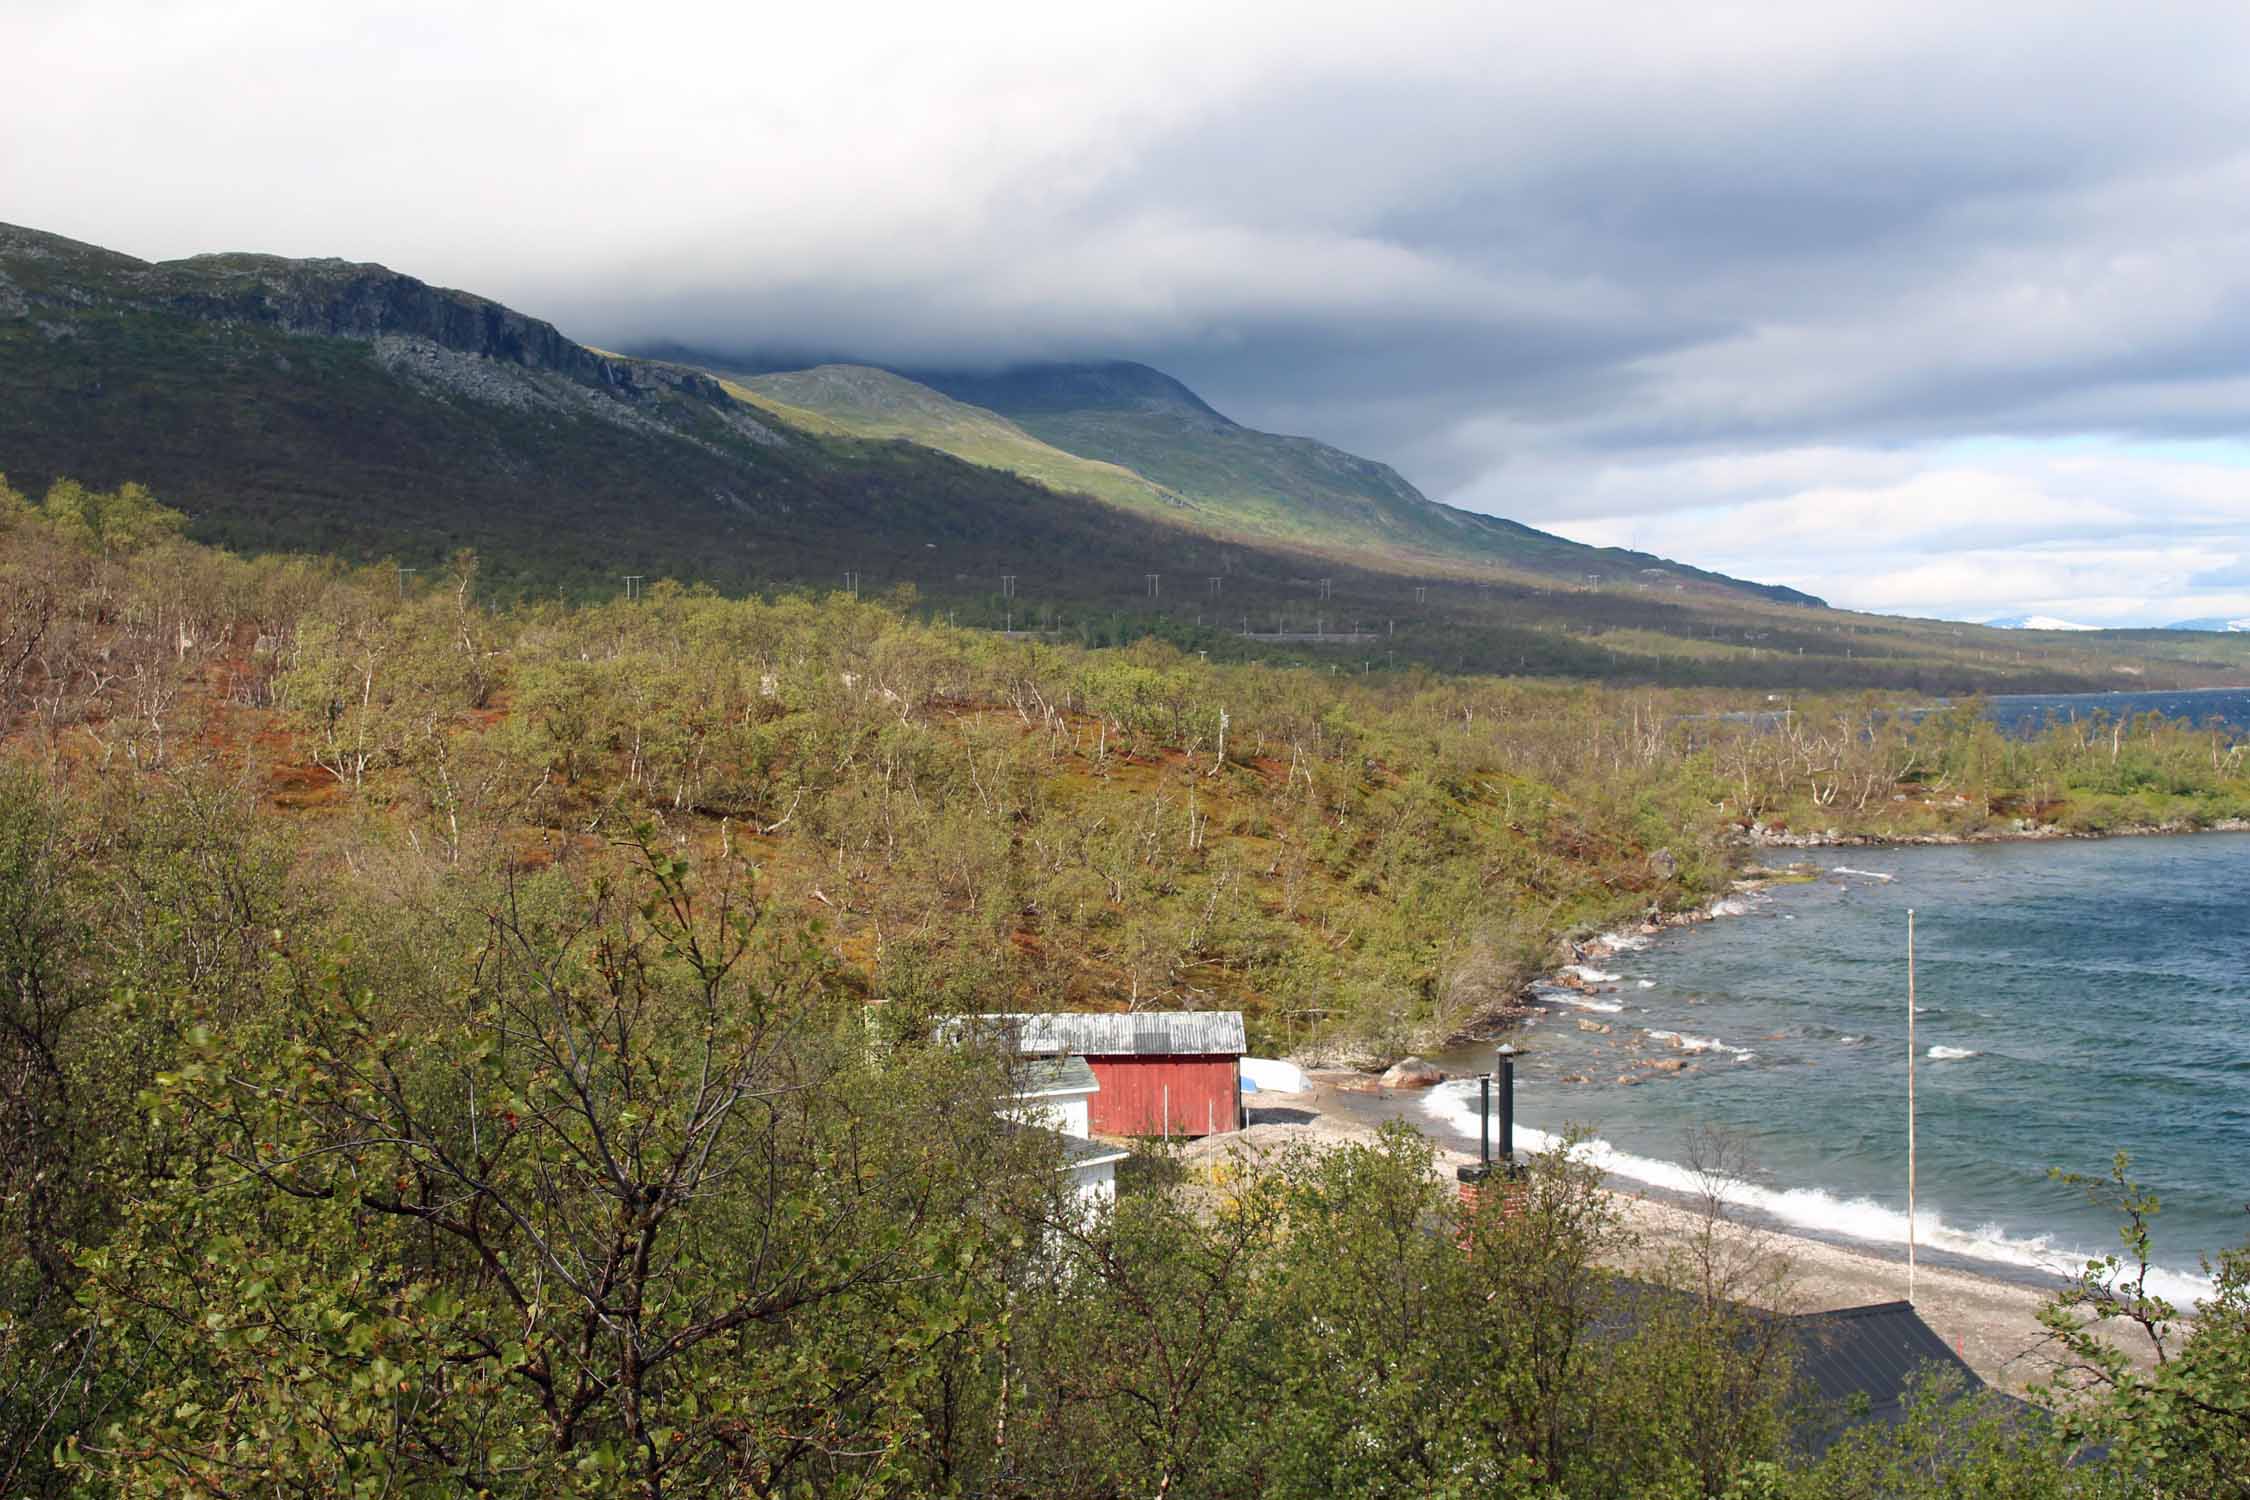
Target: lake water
x: 2028, y: 713
x: 2076, y: 998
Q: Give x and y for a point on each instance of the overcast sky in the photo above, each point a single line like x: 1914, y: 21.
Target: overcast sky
x: 1932, y: 308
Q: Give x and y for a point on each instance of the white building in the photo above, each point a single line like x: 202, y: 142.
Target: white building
x: 1056, y: 1093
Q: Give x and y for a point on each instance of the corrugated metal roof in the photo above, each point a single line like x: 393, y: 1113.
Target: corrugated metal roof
x: 1874, y: 1354
x: 1042, y: 1076
x: 1135, y: 1034
x: 1871, y: 1351
x: 1856, y: 1365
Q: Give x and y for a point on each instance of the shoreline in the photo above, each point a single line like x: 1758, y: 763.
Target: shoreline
x: 1989, y: 1319
x: 1751, y: 878
x: 2025, y: 832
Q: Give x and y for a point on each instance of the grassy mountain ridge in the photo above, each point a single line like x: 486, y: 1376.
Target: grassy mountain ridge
x: 342, y: 408
x: 1193, y: 462
x: 332, y: 406
x: 862, y: 401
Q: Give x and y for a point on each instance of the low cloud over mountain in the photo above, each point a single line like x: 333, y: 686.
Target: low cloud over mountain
x: 1914, y: 306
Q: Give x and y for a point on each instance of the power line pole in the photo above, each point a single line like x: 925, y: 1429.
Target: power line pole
x: 402, y: 580
x: 1155, y: 585
x: 1007, y: 585
x: 851, y: 583
x: 633, y: 583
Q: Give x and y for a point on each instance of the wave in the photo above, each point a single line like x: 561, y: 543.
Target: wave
x: 1862, y: 874
x: 1573, y: 998
x: 1454, y: 1105
x: 1703, y: 1044
x: 1646, y: 984
x: 1592, y: 975
x: 1728, y: 906
x: 1951, y: 1054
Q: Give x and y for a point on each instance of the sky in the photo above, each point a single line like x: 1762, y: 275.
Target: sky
x: 1937, y: 309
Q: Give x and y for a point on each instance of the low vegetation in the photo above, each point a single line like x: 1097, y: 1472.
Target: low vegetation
x: 448, y: 1049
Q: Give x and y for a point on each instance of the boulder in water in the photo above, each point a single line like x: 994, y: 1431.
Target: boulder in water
x: 1411, y: 1073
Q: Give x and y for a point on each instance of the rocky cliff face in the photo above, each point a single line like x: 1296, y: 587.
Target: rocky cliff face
x: 332, y: 298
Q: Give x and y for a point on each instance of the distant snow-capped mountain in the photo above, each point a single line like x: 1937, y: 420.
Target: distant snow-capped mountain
x: 2211, y: 622
x: 2038, y: 622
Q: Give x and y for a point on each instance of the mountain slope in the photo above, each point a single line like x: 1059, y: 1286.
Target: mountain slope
x: 862, y: 401
x: 1289, y: 488
x: 339, y: 407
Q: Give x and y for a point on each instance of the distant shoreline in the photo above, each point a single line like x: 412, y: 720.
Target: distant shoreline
x: 1770, y: 838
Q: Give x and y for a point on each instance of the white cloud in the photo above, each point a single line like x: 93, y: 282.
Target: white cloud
x: 1750, y: 286
x: 2109, y: 538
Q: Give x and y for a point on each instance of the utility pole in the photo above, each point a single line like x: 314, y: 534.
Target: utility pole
x: 1155, y: 585
x: 1214, y: 588
x: 633, y: 583
x: 1007, y: 585
x: 851, y: 583
x: 402, y: 580
x: 1421, y: 593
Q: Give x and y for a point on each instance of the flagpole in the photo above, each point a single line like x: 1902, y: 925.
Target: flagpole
x: 1910, y: 1231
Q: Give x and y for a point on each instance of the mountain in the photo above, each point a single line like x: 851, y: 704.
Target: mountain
x: 2038, y: 622
x: 1144, y: 441
x: 350, y: 410
x: 325, y: 405
x: 2212, y: 622
x: 862, y: 401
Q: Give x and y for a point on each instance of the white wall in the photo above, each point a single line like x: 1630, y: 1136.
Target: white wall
x: 1095, y: 1186
x: 1063, y: 1112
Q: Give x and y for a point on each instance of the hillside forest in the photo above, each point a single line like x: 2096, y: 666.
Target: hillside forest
x: 465, y: 1049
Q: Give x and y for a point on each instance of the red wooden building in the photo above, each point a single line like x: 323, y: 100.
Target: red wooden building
x: 1162, y: 1073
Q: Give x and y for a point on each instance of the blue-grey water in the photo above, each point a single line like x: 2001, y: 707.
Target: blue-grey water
x: 2028, y: 713
x: 2076, y: 997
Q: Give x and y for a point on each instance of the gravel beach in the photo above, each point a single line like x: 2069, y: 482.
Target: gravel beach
x: 1991, y: 1321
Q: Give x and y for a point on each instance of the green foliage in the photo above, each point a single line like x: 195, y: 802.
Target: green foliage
x: 120, y: 520
x: 2182, y: 1425
x: 436, y: 1054
x: 626, y: 1202
x: 1951, y: 1448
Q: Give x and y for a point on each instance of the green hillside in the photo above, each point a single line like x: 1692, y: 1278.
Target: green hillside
x: 862, y: 401
x: 340, y: 408
x: 344, y: 408
x: 1290, y: 489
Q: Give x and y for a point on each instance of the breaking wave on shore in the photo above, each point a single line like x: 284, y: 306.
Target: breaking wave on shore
x: 1811, y: 1210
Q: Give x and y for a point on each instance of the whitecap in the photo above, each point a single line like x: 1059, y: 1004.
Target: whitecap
x: 1454, y: 1105
x: 1862, y: 874
x: 1950, y: 1054
x: 1703, y: 1044
x: 1646, y: 984
x: 1571, y: 997
x: 1592, y: 975
x: 1729, y: 906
